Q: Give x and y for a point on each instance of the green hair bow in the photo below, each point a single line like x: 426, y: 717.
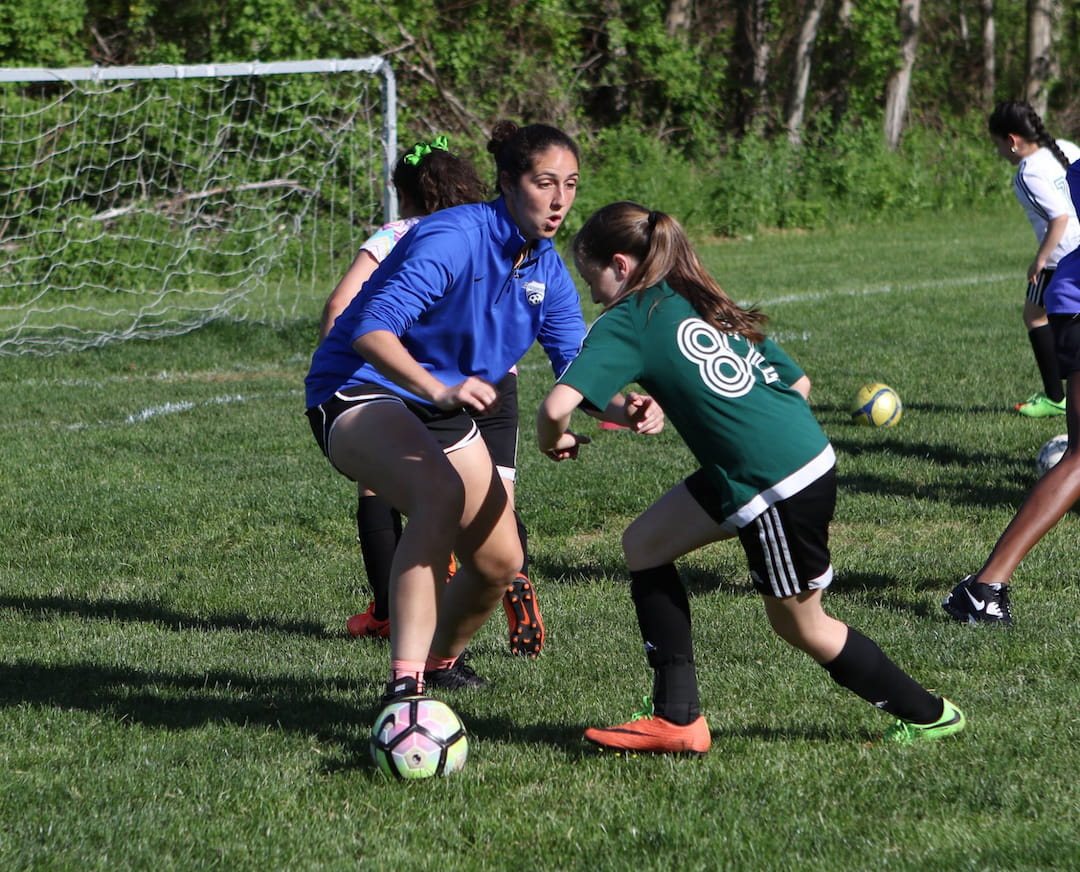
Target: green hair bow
x: 424, y: 148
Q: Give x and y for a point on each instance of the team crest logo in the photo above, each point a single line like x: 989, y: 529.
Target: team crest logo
x: 534, y: 292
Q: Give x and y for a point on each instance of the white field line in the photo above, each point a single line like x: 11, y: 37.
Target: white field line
x: 810, y: 296
x: 930, y: 284
x: 256, y: 371
x: 165, y: 409
x: 239, y: 373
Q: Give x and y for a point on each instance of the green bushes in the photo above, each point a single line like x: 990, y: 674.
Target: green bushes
x: 842, y: 176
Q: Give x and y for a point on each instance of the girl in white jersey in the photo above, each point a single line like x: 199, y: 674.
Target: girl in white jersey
x: 767, y: 474
x: 428, y: 178
x: 1039, y: 185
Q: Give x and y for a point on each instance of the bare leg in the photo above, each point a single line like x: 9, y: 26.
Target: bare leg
x: 802, y: 623
x: 1046, y: 503
x: 488, y: 550
x: 389, y: 449
x: 674, y: 525
x: 1034, y: 316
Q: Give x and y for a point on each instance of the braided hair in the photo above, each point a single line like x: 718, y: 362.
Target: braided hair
x: 1020, y: 119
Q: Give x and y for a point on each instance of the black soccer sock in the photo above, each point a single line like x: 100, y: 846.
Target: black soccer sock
x: 378, y: 526
x: 862, y: 667
x: 663, y: 613
x: 523, y: 535
x: 1042, y: 343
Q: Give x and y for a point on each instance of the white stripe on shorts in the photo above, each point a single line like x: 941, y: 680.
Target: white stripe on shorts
x: 466, y: 440
x: 783, y: 579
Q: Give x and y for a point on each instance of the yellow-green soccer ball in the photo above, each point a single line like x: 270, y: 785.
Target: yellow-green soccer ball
x: 876, y: 405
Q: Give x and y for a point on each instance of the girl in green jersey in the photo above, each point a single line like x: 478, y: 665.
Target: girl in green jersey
x: 767, y: 474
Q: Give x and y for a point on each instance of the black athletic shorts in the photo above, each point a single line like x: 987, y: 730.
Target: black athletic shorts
x: 1066, y: 330
x: 787, y: 545
x: 452, y: 429
x: 500, y: 428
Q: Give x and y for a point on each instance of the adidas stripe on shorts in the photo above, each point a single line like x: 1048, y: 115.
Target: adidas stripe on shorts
x: 787, y: 546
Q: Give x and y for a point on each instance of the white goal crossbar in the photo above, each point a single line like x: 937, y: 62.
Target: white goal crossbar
x: 143, y: 201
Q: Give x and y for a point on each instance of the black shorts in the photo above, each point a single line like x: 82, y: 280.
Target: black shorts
x: 787, y: 546
x: 500, y: 428
x: 1036, y: 288
x: 1066, y: 330
x: 451, y: 429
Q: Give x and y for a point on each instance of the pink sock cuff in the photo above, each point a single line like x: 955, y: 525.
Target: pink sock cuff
x: 406, y: 669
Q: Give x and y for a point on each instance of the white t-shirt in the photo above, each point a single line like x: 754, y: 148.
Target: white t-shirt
x: 1040, y: 187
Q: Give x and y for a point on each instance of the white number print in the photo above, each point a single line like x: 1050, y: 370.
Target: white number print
x: 723, y: 370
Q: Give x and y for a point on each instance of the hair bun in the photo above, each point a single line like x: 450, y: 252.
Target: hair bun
x: 500, y: 134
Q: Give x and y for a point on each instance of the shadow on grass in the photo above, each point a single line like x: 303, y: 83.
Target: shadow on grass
x: 142, y: 611
x: 174, y: 701
x: 177, y: 701
x: 885, y: 592
x: 695, y: 579
x: 1007, y: 486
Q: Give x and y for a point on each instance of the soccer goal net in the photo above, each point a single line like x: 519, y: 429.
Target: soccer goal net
x: 139, y: 202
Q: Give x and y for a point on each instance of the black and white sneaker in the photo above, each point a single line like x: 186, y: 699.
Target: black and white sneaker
x: 459, y: 675
x: 978, y: 603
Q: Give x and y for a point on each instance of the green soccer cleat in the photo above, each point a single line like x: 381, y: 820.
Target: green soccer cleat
x: 952, y: 720
x: 1040, y: 406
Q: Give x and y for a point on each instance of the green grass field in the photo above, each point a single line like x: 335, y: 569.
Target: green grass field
x: 177, y: 691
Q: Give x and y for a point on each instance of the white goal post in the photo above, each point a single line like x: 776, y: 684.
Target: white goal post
x: 146, y: 201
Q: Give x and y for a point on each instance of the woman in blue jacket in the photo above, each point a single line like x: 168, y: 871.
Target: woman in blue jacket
x: 455, y: 305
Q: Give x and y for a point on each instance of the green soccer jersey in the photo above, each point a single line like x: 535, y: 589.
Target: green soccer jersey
x: 730, y: 399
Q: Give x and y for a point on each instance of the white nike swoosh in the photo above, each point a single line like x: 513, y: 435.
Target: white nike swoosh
x: 978, y: 604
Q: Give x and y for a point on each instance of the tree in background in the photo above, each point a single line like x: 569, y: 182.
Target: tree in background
x: 681, y: 68
x: 795, y: 109
x: 1043, y: 65
x: 763, y: 85
x: 899, y: 83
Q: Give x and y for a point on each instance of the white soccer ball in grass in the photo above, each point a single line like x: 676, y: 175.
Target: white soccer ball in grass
x: 875, y: 405
x: 1051, y: 453
x: 418, y: 737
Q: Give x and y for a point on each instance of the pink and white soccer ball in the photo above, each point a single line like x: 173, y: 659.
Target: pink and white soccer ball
x: 418, y: 737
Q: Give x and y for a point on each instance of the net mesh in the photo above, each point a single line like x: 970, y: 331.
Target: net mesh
x: 147, y: 207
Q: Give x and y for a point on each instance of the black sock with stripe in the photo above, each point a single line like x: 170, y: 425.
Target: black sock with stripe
x: 862, y: 667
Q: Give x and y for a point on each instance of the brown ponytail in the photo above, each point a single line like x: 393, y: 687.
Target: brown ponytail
x: 664, y: 253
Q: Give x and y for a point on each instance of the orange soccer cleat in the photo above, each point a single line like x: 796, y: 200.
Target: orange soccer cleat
x: 525, y: 627
x: 653, y: 735
x: 366, y: 624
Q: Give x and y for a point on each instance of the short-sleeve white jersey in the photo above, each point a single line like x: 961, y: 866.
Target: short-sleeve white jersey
x: 1040, y: 188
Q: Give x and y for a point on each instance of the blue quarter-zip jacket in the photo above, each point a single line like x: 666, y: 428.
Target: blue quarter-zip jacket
x: 450, y: 292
